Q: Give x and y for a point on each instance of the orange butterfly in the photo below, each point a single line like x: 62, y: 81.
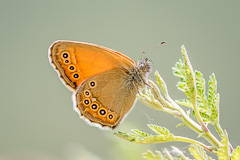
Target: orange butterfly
x: 104, y: 82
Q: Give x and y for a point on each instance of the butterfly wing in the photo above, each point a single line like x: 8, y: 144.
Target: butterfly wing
x: 77, y: 61
x: 105, y: 98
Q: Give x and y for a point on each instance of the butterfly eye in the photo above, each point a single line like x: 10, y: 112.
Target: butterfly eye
x: 65, y: 55
x: 94, y: 106
x: 87, y: 93
x: 102, y: 112
x: 92, y: 84
x: 75, y: 76
x: 86, y: 102
x: 72, y: 68
x: 111, y: 117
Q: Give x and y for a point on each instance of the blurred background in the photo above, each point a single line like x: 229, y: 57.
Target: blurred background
x: 36, y: 116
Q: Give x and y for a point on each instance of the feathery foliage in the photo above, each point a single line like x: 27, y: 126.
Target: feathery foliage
x: 203, y: 102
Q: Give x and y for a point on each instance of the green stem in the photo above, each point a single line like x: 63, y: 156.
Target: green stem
x: 181, y: 115
x: 197, y: 128
x: 193, y: 89
x: 178, y: 139
x: 192, y: 141
x: 221, y: 132
x: 219, y: 129
x: 205, y: 132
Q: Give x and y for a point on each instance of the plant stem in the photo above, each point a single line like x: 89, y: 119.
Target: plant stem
x: 192, y: 141
x: 220, y: 132
x: 197, y: 128
x: 204, y: 132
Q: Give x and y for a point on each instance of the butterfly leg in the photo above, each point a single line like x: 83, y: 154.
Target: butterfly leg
x: 136, y: 88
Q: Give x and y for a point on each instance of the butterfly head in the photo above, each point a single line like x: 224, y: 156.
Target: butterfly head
x: 145, y: 65
x: 140, y: 76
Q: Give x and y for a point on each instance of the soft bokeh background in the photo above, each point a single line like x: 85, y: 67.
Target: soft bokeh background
x: 36, y: 116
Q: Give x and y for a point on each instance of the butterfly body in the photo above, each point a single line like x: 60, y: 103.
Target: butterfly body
x: 104, y: 82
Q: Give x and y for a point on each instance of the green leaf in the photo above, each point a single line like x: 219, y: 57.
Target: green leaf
x: 198, y: 152
x: 202, y: 102
x: 236, y: 154
x: 213, y: 98
x: 184, y: 102
x: 189, y: 76
x: 180, y: 124
x: 159, y: 130
x: 163, y: 135
x: 161, y: 83
x: 200, y: 84
x: 149, y: 155
x: 223, y: 150
x: 147, y: 98
x: 193, y: 85
x: 178, y: 154
x: 208, y: 105
x: 128, y: 136
x: 174, y: 154
x: 180, y: 71
x: 140, y: 133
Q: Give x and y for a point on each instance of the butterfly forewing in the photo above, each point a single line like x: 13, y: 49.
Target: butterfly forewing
x: 77, y: 61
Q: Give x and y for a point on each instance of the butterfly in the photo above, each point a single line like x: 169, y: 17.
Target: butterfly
x: 104, y: 82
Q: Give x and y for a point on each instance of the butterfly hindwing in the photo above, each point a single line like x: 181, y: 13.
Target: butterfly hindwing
x: 106, y: 98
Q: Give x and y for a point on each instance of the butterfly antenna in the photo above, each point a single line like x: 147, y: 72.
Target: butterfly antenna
x: 155, y: 48
x: 143, y: 53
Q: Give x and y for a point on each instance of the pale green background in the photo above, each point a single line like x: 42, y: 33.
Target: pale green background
x: 36, y: 116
